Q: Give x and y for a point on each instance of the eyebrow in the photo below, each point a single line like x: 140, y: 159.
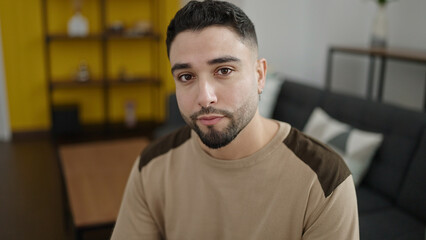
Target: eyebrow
x: 224, y: 59
x: 178, y: 66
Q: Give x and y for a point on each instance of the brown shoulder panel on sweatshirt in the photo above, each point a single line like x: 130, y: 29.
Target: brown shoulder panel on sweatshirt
x: 164, y: 144
x: 328, y: 165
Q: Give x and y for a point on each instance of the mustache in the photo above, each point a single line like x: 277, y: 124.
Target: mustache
x: 210, y: 110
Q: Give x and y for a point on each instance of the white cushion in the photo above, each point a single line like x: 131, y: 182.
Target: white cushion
x: 356, y: 147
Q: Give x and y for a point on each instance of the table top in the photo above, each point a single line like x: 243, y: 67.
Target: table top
x: 95, y: 177
x: 397, y: 53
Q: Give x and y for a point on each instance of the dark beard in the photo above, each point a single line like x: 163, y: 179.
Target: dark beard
x: 216, y: 139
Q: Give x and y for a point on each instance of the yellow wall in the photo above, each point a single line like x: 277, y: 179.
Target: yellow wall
x: 23, y: 47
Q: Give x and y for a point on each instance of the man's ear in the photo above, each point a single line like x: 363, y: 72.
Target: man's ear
x: 261, y: 67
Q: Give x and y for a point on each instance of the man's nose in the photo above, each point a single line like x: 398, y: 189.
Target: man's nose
x: 206, y: 93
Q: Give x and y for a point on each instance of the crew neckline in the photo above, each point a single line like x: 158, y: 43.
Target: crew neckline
x: 269, y: 148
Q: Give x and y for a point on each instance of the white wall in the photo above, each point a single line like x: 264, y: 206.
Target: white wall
x: 281, y: 27
x: 294, y: 36
x: 5, y: 133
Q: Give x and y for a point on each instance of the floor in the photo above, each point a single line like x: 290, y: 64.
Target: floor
x: 31, y: 203
x: 31, y: 187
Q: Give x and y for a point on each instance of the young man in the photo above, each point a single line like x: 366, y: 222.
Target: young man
x: 231, y: 174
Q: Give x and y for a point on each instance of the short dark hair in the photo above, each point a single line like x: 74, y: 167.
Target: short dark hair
x: 198, y: 15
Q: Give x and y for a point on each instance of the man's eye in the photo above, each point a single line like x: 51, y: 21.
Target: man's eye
x: 185, y: 77
x: 224, y: 71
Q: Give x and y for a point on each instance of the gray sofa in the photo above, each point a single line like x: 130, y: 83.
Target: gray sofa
x: 392, y: 196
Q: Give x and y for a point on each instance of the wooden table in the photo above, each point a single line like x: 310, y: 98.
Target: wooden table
x: 384, y: 54
x: 95, y: 176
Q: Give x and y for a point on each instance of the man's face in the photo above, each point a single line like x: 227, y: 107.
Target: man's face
x: 216, y: 83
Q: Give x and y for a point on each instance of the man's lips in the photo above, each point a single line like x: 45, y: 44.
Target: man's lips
x: 210, y: 119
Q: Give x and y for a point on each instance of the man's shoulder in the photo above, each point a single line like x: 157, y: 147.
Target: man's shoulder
x: 164, y: 145
x: 329, y: 167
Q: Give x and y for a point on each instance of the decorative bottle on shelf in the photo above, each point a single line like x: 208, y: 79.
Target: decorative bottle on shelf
x: 130, y: 114
x: 83, y: 74
x: 78, y: 25
x: 379, y: 34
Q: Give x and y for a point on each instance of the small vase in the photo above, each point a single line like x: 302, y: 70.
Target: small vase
x: 83, y: 74
x: 379, y: 34
x: 78, y: 25
x: 130, y: 114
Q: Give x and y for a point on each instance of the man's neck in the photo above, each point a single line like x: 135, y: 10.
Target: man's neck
x: 252, y: 138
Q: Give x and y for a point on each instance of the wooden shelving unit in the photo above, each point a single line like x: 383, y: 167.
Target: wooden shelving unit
x: 106, y: 83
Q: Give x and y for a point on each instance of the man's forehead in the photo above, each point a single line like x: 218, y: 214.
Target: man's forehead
x: 209, y: 43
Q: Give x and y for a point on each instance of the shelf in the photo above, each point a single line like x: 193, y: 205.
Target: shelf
x: 395, y: 53
x: 138, y: 80
x: 66, y: 37
x: 108, y: 53
x: 383, y: 55
x: 147, y: 35
x: 76, y: 84
x: 106, y: 36
x: 55, y: 84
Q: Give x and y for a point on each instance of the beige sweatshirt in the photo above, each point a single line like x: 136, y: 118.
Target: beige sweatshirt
x: 293, y: 188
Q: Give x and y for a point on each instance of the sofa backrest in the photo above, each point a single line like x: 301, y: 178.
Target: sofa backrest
x: 401, y: 128
x: 414, y: 186
x: 295, y: 103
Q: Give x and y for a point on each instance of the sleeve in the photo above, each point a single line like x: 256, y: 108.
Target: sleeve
x: 336, y: 216
x: 134, y: 219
